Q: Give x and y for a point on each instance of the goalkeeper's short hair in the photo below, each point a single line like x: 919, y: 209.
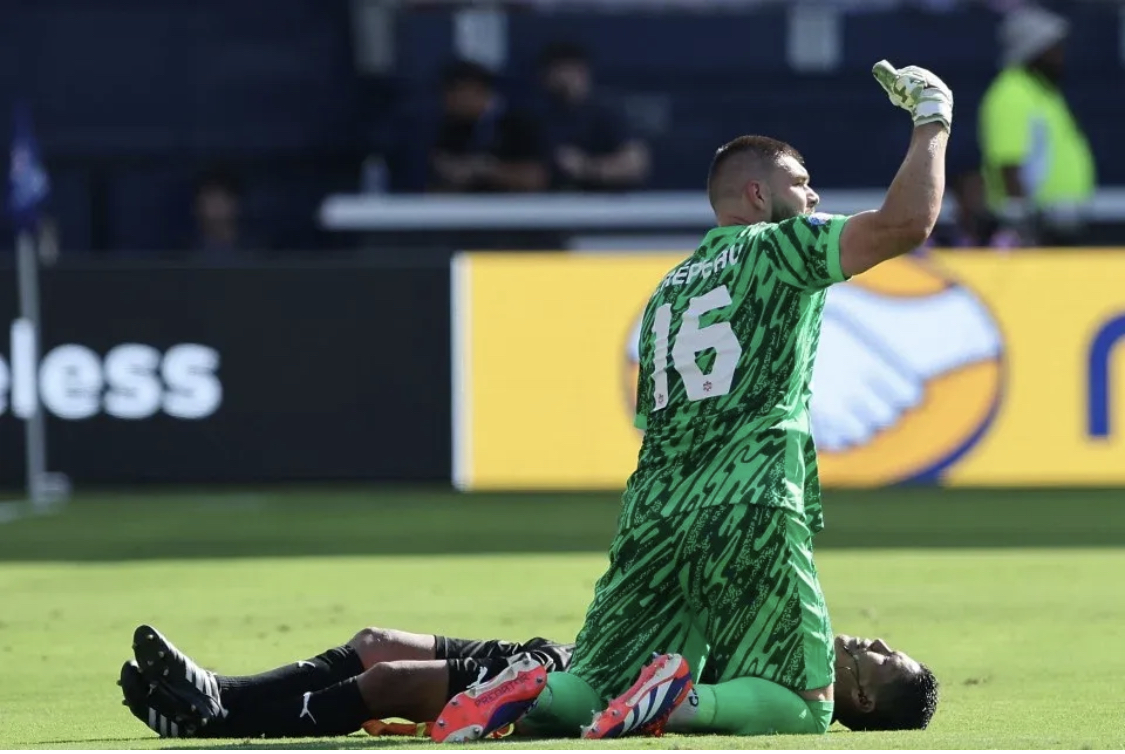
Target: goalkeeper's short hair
x: 759, y: 149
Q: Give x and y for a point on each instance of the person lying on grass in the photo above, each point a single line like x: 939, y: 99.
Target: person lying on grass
x: 382, y: 675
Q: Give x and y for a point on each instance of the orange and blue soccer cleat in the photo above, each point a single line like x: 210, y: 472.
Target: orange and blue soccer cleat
x: 663, y: 685
x: 491, y: 706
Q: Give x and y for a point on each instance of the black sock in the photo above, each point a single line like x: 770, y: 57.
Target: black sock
x: 320, y: 672
x: 335, y: 711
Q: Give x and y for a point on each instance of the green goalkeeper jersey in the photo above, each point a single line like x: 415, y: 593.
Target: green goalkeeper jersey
x: 726, y: 357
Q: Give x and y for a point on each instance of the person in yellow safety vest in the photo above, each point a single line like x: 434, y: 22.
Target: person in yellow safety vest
x: 1037, y: 164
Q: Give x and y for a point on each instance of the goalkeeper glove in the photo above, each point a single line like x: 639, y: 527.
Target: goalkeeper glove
x: 924, y: 95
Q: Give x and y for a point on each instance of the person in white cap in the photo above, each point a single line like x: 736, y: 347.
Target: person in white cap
x: 1037, y: 164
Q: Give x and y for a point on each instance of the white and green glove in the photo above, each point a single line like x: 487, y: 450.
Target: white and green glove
x: 916, y: 90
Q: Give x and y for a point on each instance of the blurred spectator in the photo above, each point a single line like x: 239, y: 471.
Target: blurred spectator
x: 483, y: 144
x: 591, y: 147
x: 219, y: 232
x: 1038, y: 169
x: 974, y: 226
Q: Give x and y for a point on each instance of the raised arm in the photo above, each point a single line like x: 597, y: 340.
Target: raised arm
x: 913, y: 202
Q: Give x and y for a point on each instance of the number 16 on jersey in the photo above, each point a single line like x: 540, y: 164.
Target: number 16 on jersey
x: 690, y: 341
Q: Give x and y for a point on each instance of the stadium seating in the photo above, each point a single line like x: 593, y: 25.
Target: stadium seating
x: 131, y: 101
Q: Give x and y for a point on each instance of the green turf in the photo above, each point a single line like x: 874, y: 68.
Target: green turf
x: 333, y: 521
x: 1023, y: 629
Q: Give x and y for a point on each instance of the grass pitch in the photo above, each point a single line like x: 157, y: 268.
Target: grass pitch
x: 1013, y: 598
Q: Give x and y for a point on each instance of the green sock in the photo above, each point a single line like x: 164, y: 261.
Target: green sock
x: 749, y: 707
x: 563, y: 707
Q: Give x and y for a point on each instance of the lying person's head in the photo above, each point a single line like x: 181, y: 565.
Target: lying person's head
x: 878, y: 688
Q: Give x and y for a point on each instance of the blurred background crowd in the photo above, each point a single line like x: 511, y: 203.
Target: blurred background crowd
x: 216, y: 128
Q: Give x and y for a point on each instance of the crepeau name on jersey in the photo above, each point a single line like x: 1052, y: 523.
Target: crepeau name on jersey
x: 687, y: 273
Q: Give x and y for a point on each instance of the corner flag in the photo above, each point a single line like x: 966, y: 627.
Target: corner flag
x: 28, y: 185
x: 28, y: 189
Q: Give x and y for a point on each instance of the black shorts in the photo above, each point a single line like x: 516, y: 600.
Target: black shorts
x: 471, y: 660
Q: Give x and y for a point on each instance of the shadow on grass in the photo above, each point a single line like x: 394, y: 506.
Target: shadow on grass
x: 380, y: 521
x: 66, y: 742
x: 354, y: 742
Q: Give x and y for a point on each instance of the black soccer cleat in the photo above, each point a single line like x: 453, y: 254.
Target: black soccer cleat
x: 178, y: 675
x: 154, y: 705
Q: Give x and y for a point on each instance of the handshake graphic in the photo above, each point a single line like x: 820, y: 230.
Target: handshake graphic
x: 878, y: 352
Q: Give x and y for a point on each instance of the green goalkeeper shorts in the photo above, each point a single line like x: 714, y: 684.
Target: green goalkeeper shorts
x: 732, y: 588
